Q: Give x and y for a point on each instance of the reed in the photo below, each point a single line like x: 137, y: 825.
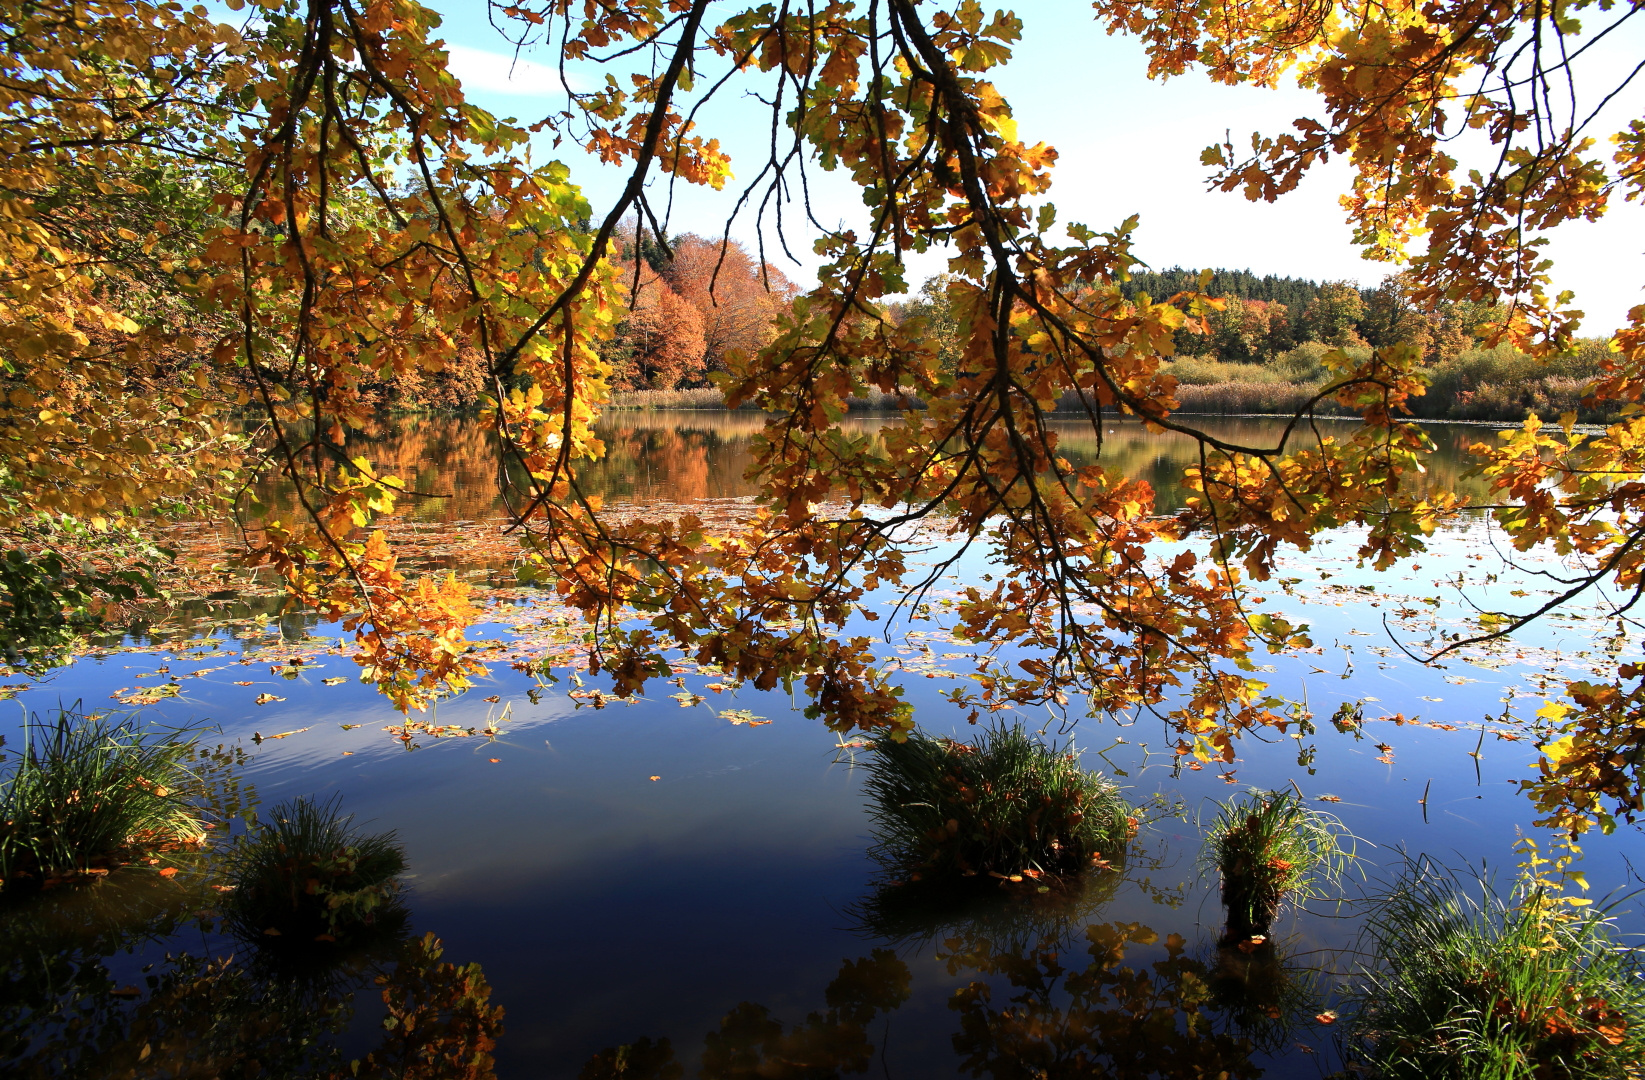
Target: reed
x: 1006, y: 804
x: 307, y: 874
x: 1466, y: 984
x: 90, y: 792
x: 704, y: 397
x: 1269, y: 847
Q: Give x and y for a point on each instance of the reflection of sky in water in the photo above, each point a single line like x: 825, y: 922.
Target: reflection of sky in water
x: 604, y: 906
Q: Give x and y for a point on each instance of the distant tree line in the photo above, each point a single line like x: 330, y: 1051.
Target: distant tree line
x: 1263, y: 318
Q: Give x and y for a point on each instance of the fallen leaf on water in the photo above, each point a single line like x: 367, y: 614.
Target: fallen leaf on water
x: 494, y: 760
x: 242, y: 682
x: 271, y: 932
x: 265, y: 698
x: 258, y: 736
x: 1329, y: 798
x: 492, y: 698
x: 168, y: 872
x: 350, y: 727
x: 348, y: 753
x: 1329, y: 1016
x: 656, y: 778
x: 743, y: 716
x: 335, y: 680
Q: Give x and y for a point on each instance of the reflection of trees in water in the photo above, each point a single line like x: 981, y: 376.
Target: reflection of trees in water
x: 1160, y: 457
x: 1049, y: 994
x: 918, y: 914
x: 689, y: 455
x: 234, y: 1011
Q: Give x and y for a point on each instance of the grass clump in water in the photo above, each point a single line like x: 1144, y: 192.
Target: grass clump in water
x: 307, y: 874
x: 1269, y: 847
x: 90, y: 792
x: 1468, y: 985
x: 1006, y: 804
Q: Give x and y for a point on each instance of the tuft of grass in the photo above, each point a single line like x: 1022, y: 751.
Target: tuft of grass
x: 1006, y: 805
x: 89, y: 792
x: 306, y: 874
x: 1269, y: 847
x: 1466, y: 984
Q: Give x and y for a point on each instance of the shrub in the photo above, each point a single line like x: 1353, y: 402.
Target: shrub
x: 1505, y: 384
x: 1267, y: 847
x: 89, y: 792
x: 1007, y: 805
x: 1305, y: 363
x: 1467, y: 985
x: 307, y: 874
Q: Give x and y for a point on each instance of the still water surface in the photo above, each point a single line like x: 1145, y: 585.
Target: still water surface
x: 654, y: 872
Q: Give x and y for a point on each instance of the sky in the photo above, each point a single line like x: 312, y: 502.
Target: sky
x: 1126, y: 145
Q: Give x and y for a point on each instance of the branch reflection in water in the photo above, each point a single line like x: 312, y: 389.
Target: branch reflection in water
x: 78, y: 1001
x: 1048, y: 991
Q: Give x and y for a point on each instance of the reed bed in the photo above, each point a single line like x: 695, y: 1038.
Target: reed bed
x: 90, y: 792
x: 1006, y: 805
x: 1466, y: 984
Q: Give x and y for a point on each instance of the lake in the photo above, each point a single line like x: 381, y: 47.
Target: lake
x: 629, y: 873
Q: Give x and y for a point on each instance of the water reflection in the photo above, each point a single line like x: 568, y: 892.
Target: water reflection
x: 690, y: 456
x: 1046, y: 991
x: 85, y: 991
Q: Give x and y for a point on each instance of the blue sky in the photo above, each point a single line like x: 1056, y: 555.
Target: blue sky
x: 1127, y: 145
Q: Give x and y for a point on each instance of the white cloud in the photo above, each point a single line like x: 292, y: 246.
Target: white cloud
x: 499, y: 73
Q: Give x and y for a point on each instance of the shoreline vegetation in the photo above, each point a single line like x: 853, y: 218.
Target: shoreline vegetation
x: 1480, y: 386
x: 1262, y: 351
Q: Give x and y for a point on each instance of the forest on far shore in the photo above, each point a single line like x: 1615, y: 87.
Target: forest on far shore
x: 1263, y: 352
x: 692, y: 301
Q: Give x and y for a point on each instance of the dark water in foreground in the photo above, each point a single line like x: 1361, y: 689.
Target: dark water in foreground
x: 652, y: 871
